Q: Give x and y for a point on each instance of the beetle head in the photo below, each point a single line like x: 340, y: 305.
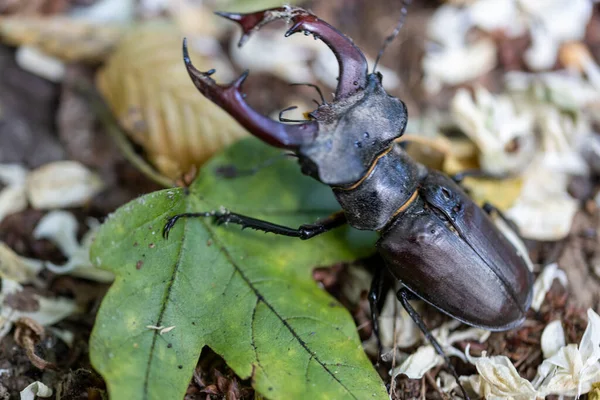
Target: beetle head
x: 338, y: 145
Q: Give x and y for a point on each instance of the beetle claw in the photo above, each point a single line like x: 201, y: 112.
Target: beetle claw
x: 230, y: 98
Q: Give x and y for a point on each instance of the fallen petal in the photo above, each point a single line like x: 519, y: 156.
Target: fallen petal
x: 418, y: 363
x: 62, y: 184
x: 543, y: 283
x: 553, y: 338
x: 59, y: 227
x: 16, y: 268
x: 35, y: 389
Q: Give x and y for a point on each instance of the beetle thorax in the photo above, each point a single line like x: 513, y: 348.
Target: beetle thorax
x: 352, y: 132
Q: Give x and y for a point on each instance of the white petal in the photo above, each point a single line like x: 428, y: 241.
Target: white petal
x: 50, y: 310
x: 13, y: 174
x: 106, y: 11
x: 418, y: 363
x: 35, y: 389
x: 543, y: 51
x: 59, y: 227
x: 553, y: 338
x: 491, y: 15
x: 543, y: 283
x: 448, y: 26
x: 392, y: 316
x: 16, y: 268
x: 13, y: 199
x: 492, y: 122
x: 561, y: 372
x: 589, y: 347
x: 456, y: 65
x: 62, y: 184
x: 503, y: 379
x: 39, y: 63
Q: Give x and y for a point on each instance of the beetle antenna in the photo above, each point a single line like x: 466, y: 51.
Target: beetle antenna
x: 318, y: 89
x: 281, y: 119
x: 390, y: 38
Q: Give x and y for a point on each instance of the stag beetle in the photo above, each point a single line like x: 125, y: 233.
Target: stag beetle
x: 434, y: 239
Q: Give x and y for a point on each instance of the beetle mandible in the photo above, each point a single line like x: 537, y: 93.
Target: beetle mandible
x: 434, y: 239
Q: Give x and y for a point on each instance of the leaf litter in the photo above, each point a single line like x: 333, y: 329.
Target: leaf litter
x: 562, y: 106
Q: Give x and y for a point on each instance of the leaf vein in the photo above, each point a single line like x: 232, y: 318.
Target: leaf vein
x: 260, y: 298
x: 163, y: 307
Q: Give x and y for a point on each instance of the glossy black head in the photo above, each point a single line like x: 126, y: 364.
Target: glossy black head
x: 352, y: 132
x: 343, y: 138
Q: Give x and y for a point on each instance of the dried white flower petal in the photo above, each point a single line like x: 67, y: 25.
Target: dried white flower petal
x: 60, y: 227
x: 497, y: 15
x: 543, y: 283
x: 39, y: 63
x: 573, y: 369
x: 543, y: 51
x: 106, y: 11
x: 544, y: 210
x: 13, y: 199
x: 35, y: 389
x: 492, y: 122
x: 13, y: 174
x: 392, y: 315
x: 49, y: 310
x: 448, y: 26
x: 446, y: 382
x: 553, y: 338
x: 62, y: 184
x: 418, y: 363
x: 456, y: 65
x: 66, y: 336
x: 499, y: 379
x: 17, y: 268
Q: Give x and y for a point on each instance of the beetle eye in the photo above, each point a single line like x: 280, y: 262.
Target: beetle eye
x: 446, y: 193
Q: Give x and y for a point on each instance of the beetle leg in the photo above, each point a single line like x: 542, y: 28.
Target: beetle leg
x: 404, y: 295
x: 475, y: 173
x: 352, y: 62
x: 230, y: 98
x: 303, y: 231
x: 379, y: 288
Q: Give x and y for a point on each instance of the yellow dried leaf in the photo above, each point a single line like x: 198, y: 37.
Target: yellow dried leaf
x: 502, y: 193
x: 454, y: 156
x: 64, y: 38
x: 148, y: 89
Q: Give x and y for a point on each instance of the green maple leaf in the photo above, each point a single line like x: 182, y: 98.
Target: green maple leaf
x: 247, y: 295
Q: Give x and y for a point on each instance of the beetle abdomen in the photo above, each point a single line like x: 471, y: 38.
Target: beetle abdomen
x: 447, y: 251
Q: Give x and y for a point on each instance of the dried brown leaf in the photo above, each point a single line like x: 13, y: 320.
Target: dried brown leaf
x: 149, y: 91
x: 64, y: 38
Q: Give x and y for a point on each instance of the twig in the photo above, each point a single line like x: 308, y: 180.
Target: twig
x: 433, y: 383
